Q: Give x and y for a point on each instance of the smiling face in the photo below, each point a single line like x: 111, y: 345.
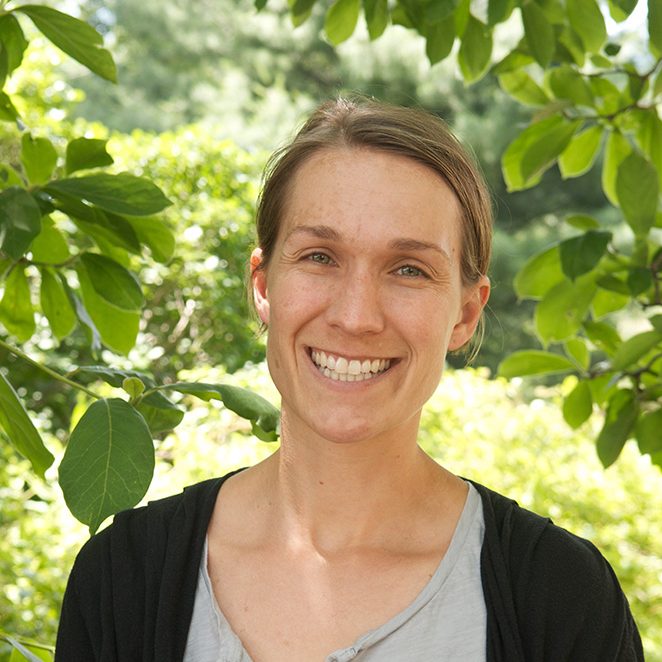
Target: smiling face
x: 363, y: 294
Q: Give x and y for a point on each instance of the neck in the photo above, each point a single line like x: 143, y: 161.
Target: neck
x: 336, y: 496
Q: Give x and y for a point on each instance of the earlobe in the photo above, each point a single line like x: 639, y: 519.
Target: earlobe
x: 474, y: 299
x: 259, y: 282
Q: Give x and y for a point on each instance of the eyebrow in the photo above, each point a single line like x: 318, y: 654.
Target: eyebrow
x: 399, y: 244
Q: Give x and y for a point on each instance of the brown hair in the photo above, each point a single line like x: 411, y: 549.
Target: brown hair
x: 408, y: 132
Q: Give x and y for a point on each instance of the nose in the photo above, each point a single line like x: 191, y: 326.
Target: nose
x: 357, y: 306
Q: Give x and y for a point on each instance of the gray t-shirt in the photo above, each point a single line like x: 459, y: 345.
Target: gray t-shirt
x: 447, y: 620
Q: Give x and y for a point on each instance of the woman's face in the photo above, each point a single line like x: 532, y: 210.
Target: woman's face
x: 363, y: 294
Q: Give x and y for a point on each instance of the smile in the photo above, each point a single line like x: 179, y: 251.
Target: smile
x: 343, y: 369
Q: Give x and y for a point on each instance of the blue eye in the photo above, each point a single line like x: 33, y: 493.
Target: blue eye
x: 410, y: 271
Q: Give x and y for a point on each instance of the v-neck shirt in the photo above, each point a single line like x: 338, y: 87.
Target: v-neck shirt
x: 446, y: 621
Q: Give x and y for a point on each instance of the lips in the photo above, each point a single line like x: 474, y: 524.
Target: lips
x: 344, y: 369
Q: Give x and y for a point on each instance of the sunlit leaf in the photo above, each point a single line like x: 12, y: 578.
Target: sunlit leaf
x: 376, y: 17
x: 86, y: 153
x: 637, y: 189
x: 578, y: 405
x: 76, y: 38
x: 20, y: 431
x: 38, y: 157
x: 617, y: 150
x: 621, y: 415
x: 519, y: 85
x: 475, y: 50
x: 635, y: 348
x: 579, y: 156
x: 655, y: 26
x: 16, y: 312
x: 581, y: 254
x: 14, y: 44
x: 439, y: 40
x: 539, y: 274
x: 108, y: 463
x: 587, y: 21
x: 539, y: 33
x: 341, y: 20
x: 576, y: 349
x: 603, y: 336
x: 55, y: 305
x: 155, y: 234
x: 533, y: 362
x: 112, y: 282
x: 582, y: 222
x: 648, y: 431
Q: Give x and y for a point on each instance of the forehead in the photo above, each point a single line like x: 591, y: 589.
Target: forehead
x: 359, y: 190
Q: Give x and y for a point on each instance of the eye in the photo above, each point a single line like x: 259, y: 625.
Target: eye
x: 319, y: 258
x: 409, y: 271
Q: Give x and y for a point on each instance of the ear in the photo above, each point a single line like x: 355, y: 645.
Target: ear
x: 259, y: 282
x: 474, y: 298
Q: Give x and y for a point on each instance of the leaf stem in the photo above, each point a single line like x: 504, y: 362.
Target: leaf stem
x: 52, y: 373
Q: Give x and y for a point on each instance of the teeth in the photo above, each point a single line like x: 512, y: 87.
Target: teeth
x: 348, y: 370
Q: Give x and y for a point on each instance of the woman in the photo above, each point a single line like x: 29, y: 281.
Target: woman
x: 349, y: 542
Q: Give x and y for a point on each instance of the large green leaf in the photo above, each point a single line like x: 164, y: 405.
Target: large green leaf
x: 533, y: 362
x: 579, y: 156
x: 245, y: 403
x: 617, y: 150
x: 519, y: 85
x: 581, y: 254
x: 578, y: 405
x: 605, y: 302
x: 499, y: 10
x: 649, y: 137
x: 439, y: 40
x: 635, y: 348
x: 535, y: 150
x: 621, y: 9
x: 121, y: 194
x: 539, y: 33
x: 621, y: 416
x: 76, y: 38
x: 576, y: 349
x: 13, y: 46
x: 475, y: 50
x: 20, y: 221
x: 154, y: 233
x: 113, y: 282
x: 113, y: 376
x: 587, y: 21
x: 38, y: 157
x: 648, y: 430
x: 376, y: 17
x: 86, y: 153
x: 16, y: 311
x: 539, y: 274
x: 655, y: 26
x: 55, y: 305
x: 341, y: 20
x: 568, y: 84
x: 118, y: 328
x: 637, y: 189
x: 108, y: 463
x: 49, y: 246
x: 561, y: 311
x: 603, y: 336
x: 20, y: 431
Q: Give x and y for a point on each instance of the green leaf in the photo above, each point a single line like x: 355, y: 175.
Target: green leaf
x: 647, y: 432
x: 655, y: 26
x: 617, y: 150
x: 76, y: 38
x: 649, y: 137
x: 533, y: 362
x: 9, y: 177
x: 539, y: 274
x: 620, y: 418
x: 656, y: 321
x: 587, y: 21
x: 603, y: 336
x: 341, y: 20
x: 299, y: 7
x: 637, y: 189
x: 55, y: 305
x: 581, y: 254
x: 579, y: 156
x: 133, y: 386
x: 475, y: 50
x: 108, y: 463
x: 49, y: 246
x: 561, y: 311
x: 613, y: 284
x: 20, y: 221
x: 118, y: 328
x: 113, y: 376
x: 621, y: 9
x: 439, y: 40
x: 13, y: 46
x: 159, y: 413
x: 20, y: 431
x: 576, y: 349
x: 86, y: 153
x: 113, y: 282
x: 568, y: 84
x: 539, y: 33
x: 578, y: 405
x: 519, y: 85
x: 499, y: 10
x: 635, y: 348
x: 38, y: 157
x: 605, y: 302
x: 120, y: 194
x: 242, y: 402
x: 8, y: 112
x: 376, y: 17
x: 155, y: 234
x: 16, y: 311
x: 639, y: 280
x: 535, y: 150
x: 462, y: 14
x: 260, y: 4
x: 582, y: 222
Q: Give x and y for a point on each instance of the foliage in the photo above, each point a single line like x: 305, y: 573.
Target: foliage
x: 589, y: 102
x: 523, y: 450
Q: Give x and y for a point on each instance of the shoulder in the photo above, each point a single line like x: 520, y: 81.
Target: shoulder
x: 564, y: 593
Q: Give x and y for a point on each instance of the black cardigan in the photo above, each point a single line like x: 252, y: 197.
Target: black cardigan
x: 550, y: 595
